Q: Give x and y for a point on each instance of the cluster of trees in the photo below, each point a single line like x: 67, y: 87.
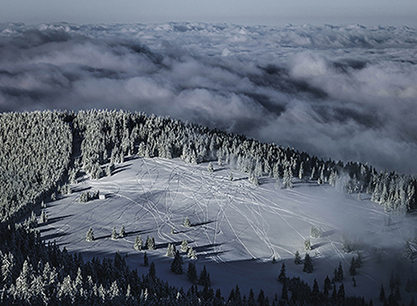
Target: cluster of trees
x: 34, y: 158
x: 303, y: 294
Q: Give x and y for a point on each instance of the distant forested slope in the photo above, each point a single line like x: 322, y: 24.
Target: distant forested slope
x: 35, y: 154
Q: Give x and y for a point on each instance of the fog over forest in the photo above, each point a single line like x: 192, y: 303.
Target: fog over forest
x: 345, y: 92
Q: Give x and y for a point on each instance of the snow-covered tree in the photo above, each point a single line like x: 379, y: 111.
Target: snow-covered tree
x: 171, y: 250
x: 210, y: 167
x: 122, y: 232
x: 187, y: 222
x: 184, y: 246
x: 138, y: 243
x: 90, y: 235
x: 114, y: 235
x: 315, y: 232
x: 307, y: 245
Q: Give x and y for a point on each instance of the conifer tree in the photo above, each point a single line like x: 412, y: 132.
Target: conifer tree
x: 204, y: 279
x: 176, y: 265
x: 282, y: 277
x: 184, y: 246
x: 187, y: 222
x: 138, y: 243
x: 307, y: 245
x: 114, y: 234
x: 150, y: 243
x: 145, y: 260
x: 308, y: 264
x: 192, y: 273
x: 210, y: 167
x: 170, y: 250
x: 122, y: 233
x: 90, y: 235
x: 327, y: 286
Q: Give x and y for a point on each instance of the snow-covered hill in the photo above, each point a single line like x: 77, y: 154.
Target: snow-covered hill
x: 237, y: 228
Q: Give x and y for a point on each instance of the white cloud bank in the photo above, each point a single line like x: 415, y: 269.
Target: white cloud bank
x: 342, y: 92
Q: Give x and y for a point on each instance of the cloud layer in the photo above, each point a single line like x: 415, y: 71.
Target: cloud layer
x: 347, y: 93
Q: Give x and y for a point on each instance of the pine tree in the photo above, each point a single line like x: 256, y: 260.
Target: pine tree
x: 176, y: 265
x: 204, y: 279
x: 114, y: 234
x: 327, y: 286
x: 187, y: 222
x: 150, y: 243
x: 90, y: 235
x: 307, y: 245
x: 282, y: 277
x: 184, y: 246
x: 308, y: 264
x: 145, y: 260
x: 341, y: 293
x: 170, y: 250
x: 382, y: 298
x: 122, y: 233
x: 192, y: 273
x: 340, y: 272
x: 210, y: 167
x: 138, y: 243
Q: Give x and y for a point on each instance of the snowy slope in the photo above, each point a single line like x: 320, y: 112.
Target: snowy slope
x: 237, y: 228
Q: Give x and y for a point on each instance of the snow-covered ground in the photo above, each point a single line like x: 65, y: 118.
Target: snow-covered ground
x: 237, y: 228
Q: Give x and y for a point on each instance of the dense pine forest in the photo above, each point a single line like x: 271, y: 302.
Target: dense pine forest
x: 43, y: 152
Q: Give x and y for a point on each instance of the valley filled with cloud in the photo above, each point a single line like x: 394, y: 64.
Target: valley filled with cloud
x: 340, y: 92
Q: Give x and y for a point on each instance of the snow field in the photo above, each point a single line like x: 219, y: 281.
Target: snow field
x: 237, y: 228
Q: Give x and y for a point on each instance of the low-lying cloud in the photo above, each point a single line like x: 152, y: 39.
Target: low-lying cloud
x: 347, y: 93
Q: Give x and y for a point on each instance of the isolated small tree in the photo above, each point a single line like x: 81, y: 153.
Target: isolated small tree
x: 138, y: 243
x: 231, y: 176
x: 122, y: 233
x: 210, y: 167
x: 307, y: 245
x: 150, y: 243
x: 90, y: 235
x: 170, y: 250
x: 114, y: 234
x: 176, y: 265
x: 316, y: 232
x: 308, y: 264
x: 184, y: 246
x: 187, y: 222
x: 297, y: 259
x: 192, y: 273
x: 192, y: 253
x: 282, y: 278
